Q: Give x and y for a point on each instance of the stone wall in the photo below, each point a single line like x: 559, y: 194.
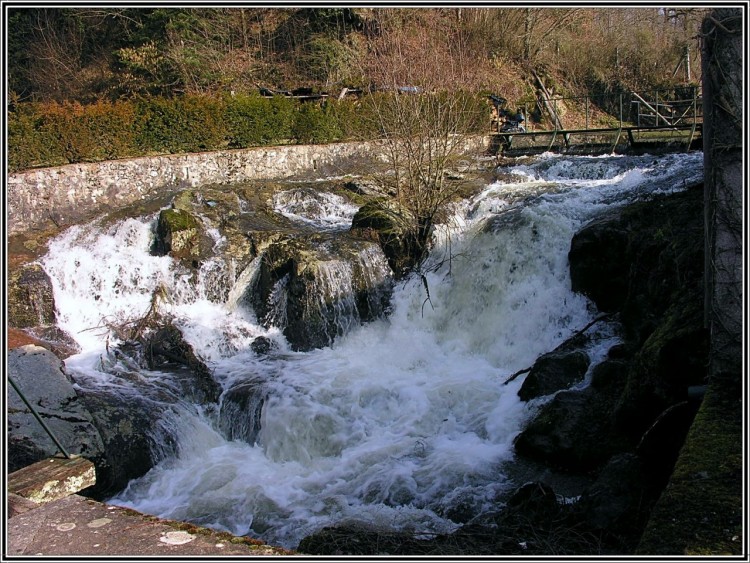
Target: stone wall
x: 67, y: 194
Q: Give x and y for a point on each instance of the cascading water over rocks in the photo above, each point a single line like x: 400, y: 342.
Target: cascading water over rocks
x: 344, y: 398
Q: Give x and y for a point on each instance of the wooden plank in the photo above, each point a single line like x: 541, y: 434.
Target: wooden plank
x: 52, y: 479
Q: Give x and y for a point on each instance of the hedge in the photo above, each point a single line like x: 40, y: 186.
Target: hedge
x: 51, y: 134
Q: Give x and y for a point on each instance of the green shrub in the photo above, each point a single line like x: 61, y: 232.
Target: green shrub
x: 25, y: 144
x: 354, y: 120
x: 186, y: 124
x: 253, y: 120
x: 316, y: 124
x: 50, y: 134
x: 112, y: 126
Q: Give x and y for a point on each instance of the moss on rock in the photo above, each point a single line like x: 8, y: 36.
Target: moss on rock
x: 700, y: 511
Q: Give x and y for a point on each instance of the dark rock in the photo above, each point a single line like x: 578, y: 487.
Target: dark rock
x: 608, y: 374
x: 619, y: 352
x: 637, y: 260
x: 672, y: 359
x: 166, y: 349
x: 31, y: 300
x: 241, y: 407
x: 619, y: 499
x: 382, y: 221
x: 261, y: 345
x: 42, y: 379
x: 132, y: 438
x: 533, y: 497
x: 316, y: 288
x: 553, y: 372
x: 574, y: 431
x: 662, y: 442
x: 598, y: 262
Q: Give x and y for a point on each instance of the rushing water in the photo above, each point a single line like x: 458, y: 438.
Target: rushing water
x: 402, y: 420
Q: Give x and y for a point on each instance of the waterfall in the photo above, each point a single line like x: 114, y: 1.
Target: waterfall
x: 400, y: 420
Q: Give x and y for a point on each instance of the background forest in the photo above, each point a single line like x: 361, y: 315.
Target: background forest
x: 75, y: 71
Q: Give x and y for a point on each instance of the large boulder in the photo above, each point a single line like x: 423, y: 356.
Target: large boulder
x: 133, y: 439
x: 42, y: 379
x: 638, y: 260
x: 553, y: 372
x: 181, y: 234
x: 598, y: 262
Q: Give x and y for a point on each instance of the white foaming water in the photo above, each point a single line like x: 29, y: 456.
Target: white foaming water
x: 323, y: 210
x: 401, y: 420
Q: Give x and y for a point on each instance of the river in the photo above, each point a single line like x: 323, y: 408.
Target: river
x: 402, y: 420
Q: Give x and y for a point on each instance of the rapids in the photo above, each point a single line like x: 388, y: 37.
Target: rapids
x: 403, y: 422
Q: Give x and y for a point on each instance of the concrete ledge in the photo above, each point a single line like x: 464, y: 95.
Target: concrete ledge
x: 76, y: 526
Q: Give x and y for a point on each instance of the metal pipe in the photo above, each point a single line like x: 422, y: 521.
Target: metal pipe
x: 39, y: 418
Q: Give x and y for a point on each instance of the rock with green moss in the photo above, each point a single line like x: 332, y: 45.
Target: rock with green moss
x: 181, y: 235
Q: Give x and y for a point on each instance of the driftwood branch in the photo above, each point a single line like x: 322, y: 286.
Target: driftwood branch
x: 576, y: 335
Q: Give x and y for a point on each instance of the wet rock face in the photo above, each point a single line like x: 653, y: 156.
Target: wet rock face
x: 166, y: 349
x: 553, y: 372
x: 574, y: 431
x: 316, y: 288
x: 41, y: 377
x: 599, y: 267
x: 128, y: 427
x: 626, y: 428
x: 239, y: 416
x: 31, y: 300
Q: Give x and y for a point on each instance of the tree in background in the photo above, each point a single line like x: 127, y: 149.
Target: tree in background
x: 425, y: 108
x: 87, y: 53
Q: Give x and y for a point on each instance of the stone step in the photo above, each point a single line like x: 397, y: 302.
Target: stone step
x: 52, y: 479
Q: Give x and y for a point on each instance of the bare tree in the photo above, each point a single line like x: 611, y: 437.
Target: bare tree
x: 426, y: 111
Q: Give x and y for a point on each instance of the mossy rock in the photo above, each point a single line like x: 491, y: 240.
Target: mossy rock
x: 181, y: 235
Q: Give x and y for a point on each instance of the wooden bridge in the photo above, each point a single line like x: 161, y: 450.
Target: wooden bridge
x: 652, y: 124
x: 606, y: 139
